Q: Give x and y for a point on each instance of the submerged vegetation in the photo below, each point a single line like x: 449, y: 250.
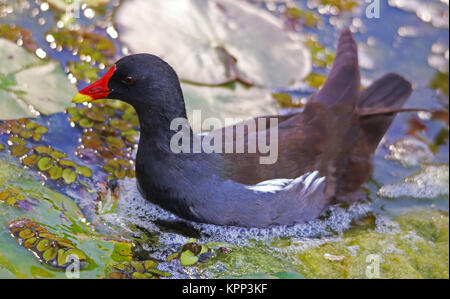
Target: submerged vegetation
x: 67, y: 176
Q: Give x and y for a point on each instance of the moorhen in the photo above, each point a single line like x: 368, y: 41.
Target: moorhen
x: 324, y: 151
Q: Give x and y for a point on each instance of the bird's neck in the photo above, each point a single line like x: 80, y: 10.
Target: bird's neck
x: 156, y: 130
x: 156, y: 120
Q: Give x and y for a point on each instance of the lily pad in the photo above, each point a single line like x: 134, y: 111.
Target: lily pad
x: 19, y: 150
x: 212, y: 42
x: 188, y: 258
x: 69, y: 176
x: 235, y: 101
x: 84, y: 171
x: 45, y: 164
x: 33, y: 236
x: 29, y: 85
x: 55, y: 172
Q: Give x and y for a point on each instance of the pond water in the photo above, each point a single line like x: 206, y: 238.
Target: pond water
x: 90, y: 202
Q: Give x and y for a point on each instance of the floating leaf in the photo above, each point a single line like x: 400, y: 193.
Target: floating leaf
x: 115, y: 142
x: 14, y: 33
x: 308, y: 18
x: 138, y: 266
x: 31, y: 160
x: 45, y: 164
x: 285, y: 100
x: 26, y: 134
x: 77, y: 253
x: 43, y: 149
x: 31, y: 242
x: 159, y: 272
x: 84, y: 71
x: 93, y: 143
x: 11, y: 201
x: 87, y: 44
x: 62, y: 257
x: 41, y: 130
x: 17, y: 141
x: 69, y: 176
x: 316, y: 80
x: 55, y: 172
x: 150, y: 264
x: 49, y: 94
x: 19, y: 150
x: 84, y: 171
x: 86, y: 123
x: 4, y: 195
x: 52, y: 251
x: 236, y: 103
x: 58, y: 155
x: 226, y: 40
x: 321, y: 56
x: 119, y: 173
x: 188, y: 258
x: 50, y: 254
x: 122, y: 252
x: 43, y: 245
x: 67, y: 163
x: 26, y: 233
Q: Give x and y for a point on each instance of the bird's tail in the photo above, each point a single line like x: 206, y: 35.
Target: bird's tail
x: 343, y: 82
x: 378, y: 105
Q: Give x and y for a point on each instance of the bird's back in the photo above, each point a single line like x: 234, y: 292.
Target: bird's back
x: 329, y: 135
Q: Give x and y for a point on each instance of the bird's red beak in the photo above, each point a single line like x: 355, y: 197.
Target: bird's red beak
x: 97, y: 90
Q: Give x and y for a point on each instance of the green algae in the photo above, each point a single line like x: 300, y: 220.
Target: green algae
x: 59, y: 221
x: 135, y: 270
x: 229, y: 260
x: 114, y: 126
x: 418, y: 250
x: 15, y: 34
x: 307, y: 18
x: 99, y: 49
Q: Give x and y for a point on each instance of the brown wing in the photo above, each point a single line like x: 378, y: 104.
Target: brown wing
x: 329, y: 135
x: 319, y: 138
x: 387, y: 93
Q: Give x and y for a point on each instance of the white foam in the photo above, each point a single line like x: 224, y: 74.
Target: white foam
x: 134, y: 209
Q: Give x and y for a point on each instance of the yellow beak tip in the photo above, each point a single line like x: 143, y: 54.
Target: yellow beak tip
x: 81, y: 98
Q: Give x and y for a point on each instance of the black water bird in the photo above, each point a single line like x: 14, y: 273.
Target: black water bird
x: 325, y: 151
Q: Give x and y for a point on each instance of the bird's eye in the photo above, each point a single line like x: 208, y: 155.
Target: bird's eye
x: 128, y: 80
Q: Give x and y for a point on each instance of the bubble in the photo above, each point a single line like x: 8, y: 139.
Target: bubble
x: 89, y: 13
x: 41, y: 53
x: 44, y: 6
x: 132, y: 208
